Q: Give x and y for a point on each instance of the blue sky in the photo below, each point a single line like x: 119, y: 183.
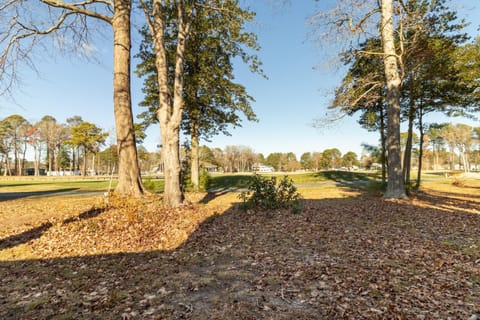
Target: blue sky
x: 297, y: 91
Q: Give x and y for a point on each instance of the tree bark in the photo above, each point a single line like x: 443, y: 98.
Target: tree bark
x: 170, y: 110
x: 407, y: 158
x: 129, y: 180
x: 36, y: 161
x: 195, y: 165
x: 383, y: 144
x: 420, y: 154
x: 84, y: 161
x: 173, y: 195
x: 395, y: 184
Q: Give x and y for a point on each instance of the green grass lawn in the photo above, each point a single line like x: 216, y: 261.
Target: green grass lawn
x: 153, y: 184
x: 34, y: 185
x: 238, y: 181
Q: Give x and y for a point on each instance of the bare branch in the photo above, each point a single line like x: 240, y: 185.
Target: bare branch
x: 77, y: 8
x: 7, y: 4
x: 148, y: 18
x: 29, y: 22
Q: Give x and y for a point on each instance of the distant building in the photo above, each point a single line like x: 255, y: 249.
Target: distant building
x: 262, y: 168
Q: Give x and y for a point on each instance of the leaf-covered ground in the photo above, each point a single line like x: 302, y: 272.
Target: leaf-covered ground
x: 347, y: 256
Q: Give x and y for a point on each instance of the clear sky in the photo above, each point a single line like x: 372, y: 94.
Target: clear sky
x: 297, y: 91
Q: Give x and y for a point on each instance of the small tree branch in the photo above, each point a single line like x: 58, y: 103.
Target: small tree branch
x: 77, y: 8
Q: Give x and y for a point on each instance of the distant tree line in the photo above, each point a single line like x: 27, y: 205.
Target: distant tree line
x: 445, y: 146
x: 58, y: 148
x: 79, y: 147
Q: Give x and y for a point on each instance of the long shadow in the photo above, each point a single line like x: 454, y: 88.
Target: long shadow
x: 23, y: 184
x: 449, y: 202
x: 353, y: 258
x: 5, y: 196
x: 211, y: 195
x: 35, y: 233
x: 344, y: 176
x: 230, y: 182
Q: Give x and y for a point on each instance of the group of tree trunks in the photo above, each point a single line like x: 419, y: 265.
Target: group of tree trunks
x: 169, y: 28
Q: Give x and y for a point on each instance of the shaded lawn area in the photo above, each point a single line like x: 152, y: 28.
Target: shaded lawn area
x: 26, y: 187
x: 348, y: 256
x: 242, y: 181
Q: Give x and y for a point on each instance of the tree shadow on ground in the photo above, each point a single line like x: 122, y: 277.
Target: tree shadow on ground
x: 453, y: 202
x: 23, y: 184
x: 230, y: 182
x: 344, y: 176
x: 352, y: 258
x: 211, y: 195
x: 36, y: 232
x: 5, y: 196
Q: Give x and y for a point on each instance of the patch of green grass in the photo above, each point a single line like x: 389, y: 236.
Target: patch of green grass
x: 346, y: 176
x: 153, y: 184
x: 51, y: 185
x: 230, y: 181
x: 233, y: 181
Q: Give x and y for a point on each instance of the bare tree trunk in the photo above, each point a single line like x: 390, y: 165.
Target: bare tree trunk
x: 173, y: 195
x: 129, y: 180
x: 195, y: 165
x: 84, y: 161
x: 35, y: 160
x: 395, y: 184
x: 169, y: 112
x: 420, y: 154
x: 93, y: 163
x: 383, y: 144
x: 407, y: 159
x: 49, y: 156
x: 22, y: 165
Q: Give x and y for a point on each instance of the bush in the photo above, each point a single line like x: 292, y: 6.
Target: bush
x: 265, y: 193
x: 149, y: 184
x: 204, y: 180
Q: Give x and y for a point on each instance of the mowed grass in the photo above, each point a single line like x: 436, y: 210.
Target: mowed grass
x: 218, y: 182
x: 45, y: 184
x: 241, y: 181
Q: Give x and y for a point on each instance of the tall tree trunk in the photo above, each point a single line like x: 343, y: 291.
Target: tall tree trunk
x: 173, y: 195
x: 170, y: 112
x: 395, y: 184
x: 452, y: 156
x: 407, y: 157
x: 84, y: 161
x: 15, y: 154
x: 129, y: 180
x: 35, y: 161
x: 420, y: 153
x: 93, y: 163
x: 195, y: 161
x: 72, y: 160
x: 383, y: 144
x: 49, y: 156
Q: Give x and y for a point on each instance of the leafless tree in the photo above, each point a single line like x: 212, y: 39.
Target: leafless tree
x: 70, y: 25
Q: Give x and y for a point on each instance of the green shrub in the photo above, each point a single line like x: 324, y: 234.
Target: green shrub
x: 265, y: 193
x: 204, y: 180
x: 149, y: 184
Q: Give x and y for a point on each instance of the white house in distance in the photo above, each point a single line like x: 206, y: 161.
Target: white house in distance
x: 262, y: 168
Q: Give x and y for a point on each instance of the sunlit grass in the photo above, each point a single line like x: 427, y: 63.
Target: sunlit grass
x: 42, y: 184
